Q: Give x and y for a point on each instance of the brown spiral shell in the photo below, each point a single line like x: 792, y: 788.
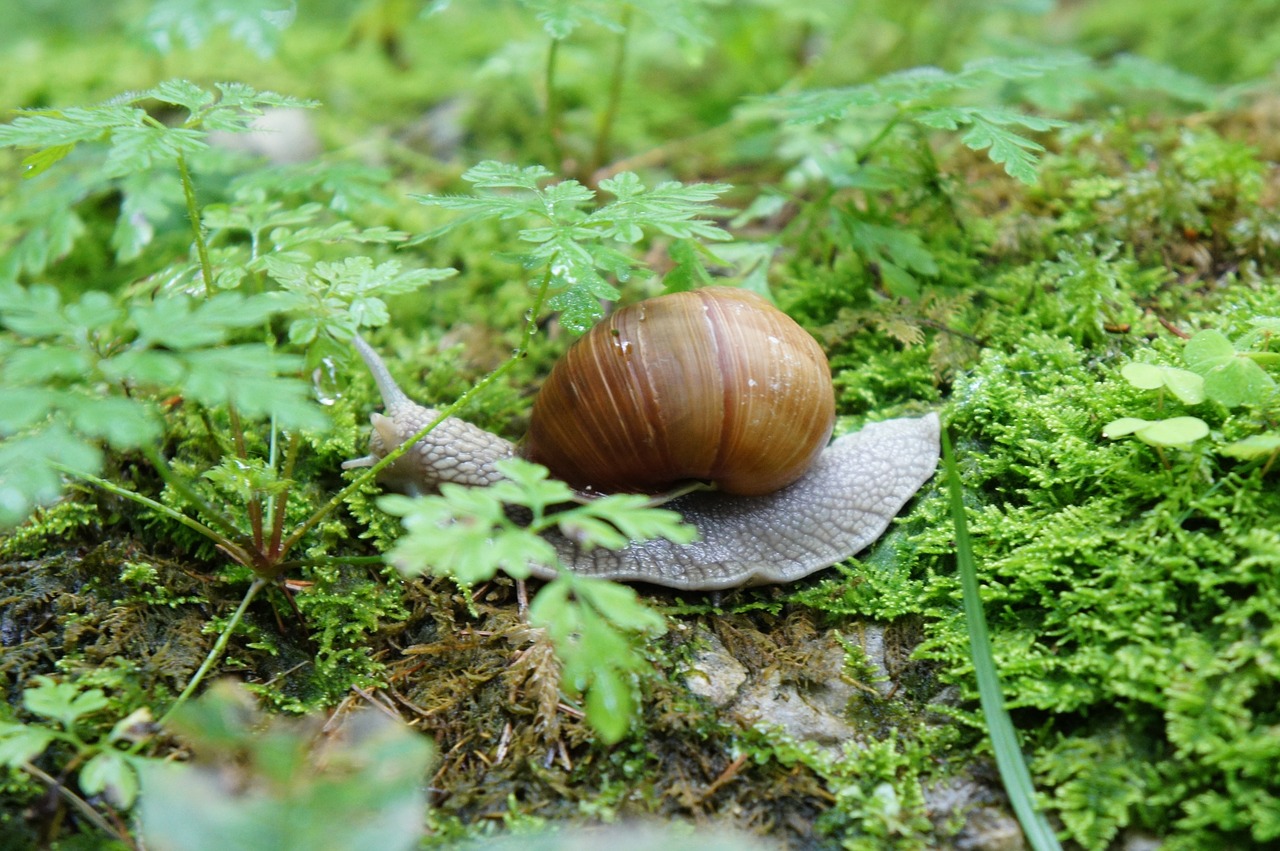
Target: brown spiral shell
x: 714, y: 385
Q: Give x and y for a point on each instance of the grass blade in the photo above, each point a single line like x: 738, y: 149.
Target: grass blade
x: 1004, y: 738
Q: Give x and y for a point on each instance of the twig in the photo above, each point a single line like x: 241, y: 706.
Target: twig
x: 80, y: 804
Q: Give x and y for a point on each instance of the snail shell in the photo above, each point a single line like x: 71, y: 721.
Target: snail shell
x: 715, y: 385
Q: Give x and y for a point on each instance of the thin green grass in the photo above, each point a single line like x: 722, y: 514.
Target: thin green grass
x: 1004, y: 738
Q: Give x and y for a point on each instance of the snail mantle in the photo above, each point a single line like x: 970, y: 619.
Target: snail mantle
x: 833, y: 501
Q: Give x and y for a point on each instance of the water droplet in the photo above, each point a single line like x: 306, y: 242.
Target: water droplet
x: 324, y: 382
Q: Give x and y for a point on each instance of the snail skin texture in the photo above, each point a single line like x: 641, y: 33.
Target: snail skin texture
x: 844, y: 500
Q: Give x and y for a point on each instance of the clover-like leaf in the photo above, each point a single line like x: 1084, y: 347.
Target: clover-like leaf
x: 1254, y: 446
x: 1229, y: 378
x: 1174, y: 432
x: 1187, y: 386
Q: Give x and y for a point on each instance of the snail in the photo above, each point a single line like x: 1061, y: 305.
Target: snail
x: 715, y: 385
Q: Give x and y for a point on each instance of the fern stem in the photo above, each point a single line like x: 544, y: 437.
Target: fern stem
x: 552, y: 109
x: 604, y: 133
x: 318, y: 561
x: 229, y: 546
x: 197, y: 229
x: 254, y: 506
x: 1004, y: 737
x: 219, y: 647
x: 281, y: 501
x: 864, y: 153
x: 193, y: 497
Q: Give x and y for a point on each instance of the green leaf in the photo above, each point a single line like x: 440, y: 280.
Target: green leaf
x: 21, y: 743
x: 33, y: 312
x: 28, y: 475
x: 1175, y: 431
x: 1123, y: 426
x: 144, y: 147
x: 124, y: 423
x: 561, y: 17
x: 1229, y: 379
x: 1255, y: 446
x: 145, y: 203
x: 669, y: 208
x: 59, y: 128
x: 247, y: 479
x: 609, y: 705
x: 614, y: 520
x: 21, y: 407
x: 1000, y: 729
x: 40, y: 162
x: 463, y: 533
x: 144, y: 368
x: 183, y: 93
x: 492, y: 174
x: 1016, y: 153
x: 1187, y: 386
x: 362, y: 785
x: 256, y: 24
x: 250, y: 377
x: 338, y: 297
x: 1144, y: 376
x: 573, y: 244
x: 529, y: 485
x: 64, y: 702
x: 1129, y: 72
x: 110, y: 772
x: 93, y: 312
x: 913, y: 86
x: 689, y: 271
x: 1207, y: 349
x: 621, y: 605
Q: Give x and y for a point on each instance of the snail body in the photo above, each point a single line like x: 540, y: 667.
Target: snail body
x: 711, y: 385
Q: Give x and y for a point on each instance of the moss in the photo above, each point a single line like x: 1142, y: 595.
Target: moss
x: 1128, y: 601
x: 73, y: 612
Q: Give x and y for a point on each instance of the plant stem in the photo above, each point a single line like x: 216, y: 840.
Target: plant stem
x: 254, y: 506
x: 604, y: 132
x: 218, y: 647
x: 315, y: 561
x: 231, y: 547
x: 281, y: 500
x: 663, y: 153
x: 81, y: 805
x: 197, y: 229
x: 552, y: 109
x: 864, y: 153
x: 193, y: 497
